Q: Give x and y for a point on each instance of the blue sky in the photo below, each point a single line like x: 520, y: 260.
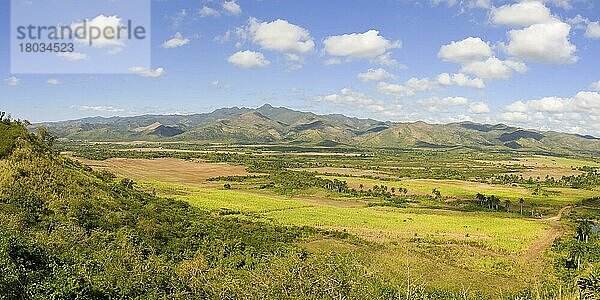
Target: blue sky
x: 527, y: 63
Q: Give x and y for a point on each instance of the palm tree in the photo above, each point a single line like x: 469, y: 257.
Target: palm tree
x: 481, y: 198
x: 584, y: 230
x: 521, y: 202
x: 507, y: 204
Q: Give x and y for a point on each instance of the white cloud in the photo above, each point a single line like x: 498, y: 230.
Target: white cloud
x: 109, y: 26
x: 280, y: 35
x: 387, y: 60
x: 419, y: 85
x: 206, y: 11
x: 549, y: 104
x: 578, y: 22
x: 359, y: 45
x: 410, y: 88
x: 177, y: 41
x: 588, y: 102
x: 12, y: 81
x: 467, y: 50
x: 455, y: 101
x: 437, y: 105
x: 232, y: 7
x: 593, y: 30
x: 493, y: 68
x: 460, y: 79
x: 73, y: 56
x: 249, y: 59
x: 375, y: 75
x: 348, y: 98
x: 543, y: 43
x: 396, y: 90
x: 595, y: 86
x: 518, y: 106
x: 53, y: 81
x: 103, y: 109
x: 144, y: 72
x: 575, y: 114
x: 479, y: 108
x: 517, y: 117
x: 522, y: 14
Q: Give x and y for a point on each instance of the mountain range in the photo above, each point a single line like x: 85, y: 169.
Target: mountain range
x: 278, y: 125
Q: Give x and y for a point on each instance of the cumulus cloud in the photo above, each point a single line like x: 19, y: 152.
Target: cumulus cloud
x: 53, y: 81
x: 206, y: 11
x: 593, y: 30
x: 543, y: 43
x: 388, y: 61
x: 109, y: 26
x: 575, y: 114
x: 477, y: 58
x: 582, y: 102
x: 493, y: 68
x: 12, y: 81
x: 467, y: 50
x: 436, y: 104
x: 410, y: 88
x: 455, y: 101
x: 479, y: 108
x: 151, y: 73
x: 367, y: 45
x: 177, y: 41
x: 397, y: 90
x: 280, y: 35
x: 460, y: 79
x: 375, y: 75
x: 248, y: 59
x: 595, y: 86
x: 522, y: 14
x: 232, y: 8
x: 355, y: 100
x: 356, y: 103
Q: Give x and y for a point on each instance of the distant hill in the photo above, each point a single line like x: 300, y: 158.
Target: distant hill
x: 277, y: 125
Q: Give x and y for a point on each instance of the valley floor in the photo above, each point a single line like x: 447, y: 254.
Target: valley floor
x: 435, y: 247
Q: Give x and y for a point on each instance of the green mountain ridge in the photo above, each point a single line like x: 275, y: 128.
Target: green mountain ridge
x: 279, y: 125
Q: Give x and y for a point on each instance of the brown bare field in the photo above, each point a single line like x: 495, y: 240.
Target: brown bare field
x: 169, y: 170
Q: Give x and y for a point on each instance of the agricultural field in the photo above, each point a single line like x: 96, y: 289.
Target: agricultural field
x: 387, y: 202
x: 467, y: 190
x: 423, y: 239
